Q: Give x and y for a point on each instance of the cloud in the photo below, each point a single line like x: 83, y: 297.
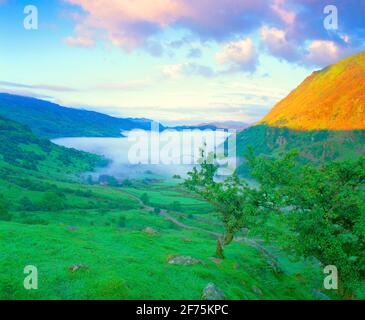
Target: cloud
x: 239, y: 55
x: 37, y: 87
x: 80, y: 41
x: 26, y: 93
x: 194, y: 53
x: 275, y: 41
x: 287, y: 27
x: 322, y: 52
x: 175, y: 71
x: 129, y: 23
x: 125, y: 86
x: 287, y: 16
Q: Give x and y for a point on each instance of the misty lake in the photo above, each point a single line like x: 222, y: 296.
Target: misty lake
x: 163, y: 154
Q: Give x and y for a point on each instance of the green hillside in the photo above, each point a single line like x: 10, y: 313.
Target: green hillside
x: 314, y: 146
x: 19, y: 147
x: 50, y: 120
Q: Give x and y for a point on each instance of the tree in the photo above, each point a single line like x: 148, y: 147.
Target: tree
x: 232, y: 198
x: 90, y: 180
x: 127, y: 183
x: 324, y: 208
x: 121, y: 221
x: 51, y: 201
x: 26, y: 204
x: 175, y: 206
x: 145, y: 198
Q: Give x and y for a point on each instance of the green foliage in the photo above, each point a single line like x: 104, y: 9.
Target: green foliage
x: 145, y: 198
x: 127, y: 183
x: 121, y: 221
x: 52, y: 201
x: 26, y: 204
x: 175, y: 206
x: 325, y: 209
x: 232, y: 198
x: 316, y: 147
x: 108, y: 180
x: 4, y: 214
x: 20, y: 147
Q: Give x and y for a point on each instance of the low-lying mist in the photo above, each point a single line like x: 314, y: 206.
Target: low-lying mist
x: 142, y: 152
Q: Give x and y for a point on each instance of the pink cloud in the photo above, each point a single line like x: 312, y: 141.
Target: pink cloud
x: 129, y: 23
x: 286, y: 26
x: 278, y: 6
x: 239, y: 54
x: 322, y: 52
x: 276, y: 42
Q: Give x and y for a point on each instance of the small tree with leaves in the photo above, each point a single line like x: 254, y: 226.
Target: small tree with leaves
x: 232, y: 198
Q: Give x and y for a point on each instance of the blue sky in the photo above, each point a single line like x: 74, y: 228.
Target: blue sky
x: 172, y: 60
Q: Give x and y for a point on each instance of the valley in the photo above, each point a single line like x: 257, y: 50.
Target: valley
x: 97, y: 227
x: 92, y: 241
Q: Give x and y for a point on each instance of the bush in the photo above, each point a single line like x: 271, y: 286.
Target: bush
x: 26, y: 204
x: 175, y: 206
x: 4, y: 214
x: 121, y: 221
x: 52, y: 201
x: 145, y: 198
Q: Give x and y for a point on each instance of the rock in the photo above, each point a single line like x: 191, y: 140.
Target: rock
x: 184, y: 260
x: 215, y: 260
x: 257, y: 290
x: 72, y: 228
x: 188, y: 240
x: 236, y: 266
x: 76, y: 267
x: 318, y: 295
x: 150, y: 230
x: 212, y: 292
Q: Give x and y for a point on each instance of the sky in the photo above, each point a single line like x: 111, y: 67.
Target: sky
x: 177, y: 61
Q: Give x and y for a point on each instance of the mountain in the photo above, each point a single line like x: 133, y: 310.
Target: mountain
x: 51, y: 120
x: 330, y: 99
x: 195, y: 127
x: 234, y: 125
x: 323, y: 118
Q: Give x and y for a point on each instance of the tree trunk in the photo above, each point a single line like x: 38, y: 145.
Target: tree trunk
x: 221, y: 242
x: 228, y: 238
x: 219, y: 249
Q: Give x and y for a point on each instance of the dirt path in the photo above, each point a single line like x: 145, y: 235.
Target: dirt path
x: 253, y: 242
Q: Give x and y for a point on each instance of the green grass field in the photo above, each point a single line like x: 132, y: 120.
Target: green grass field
x: 124, y: 262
